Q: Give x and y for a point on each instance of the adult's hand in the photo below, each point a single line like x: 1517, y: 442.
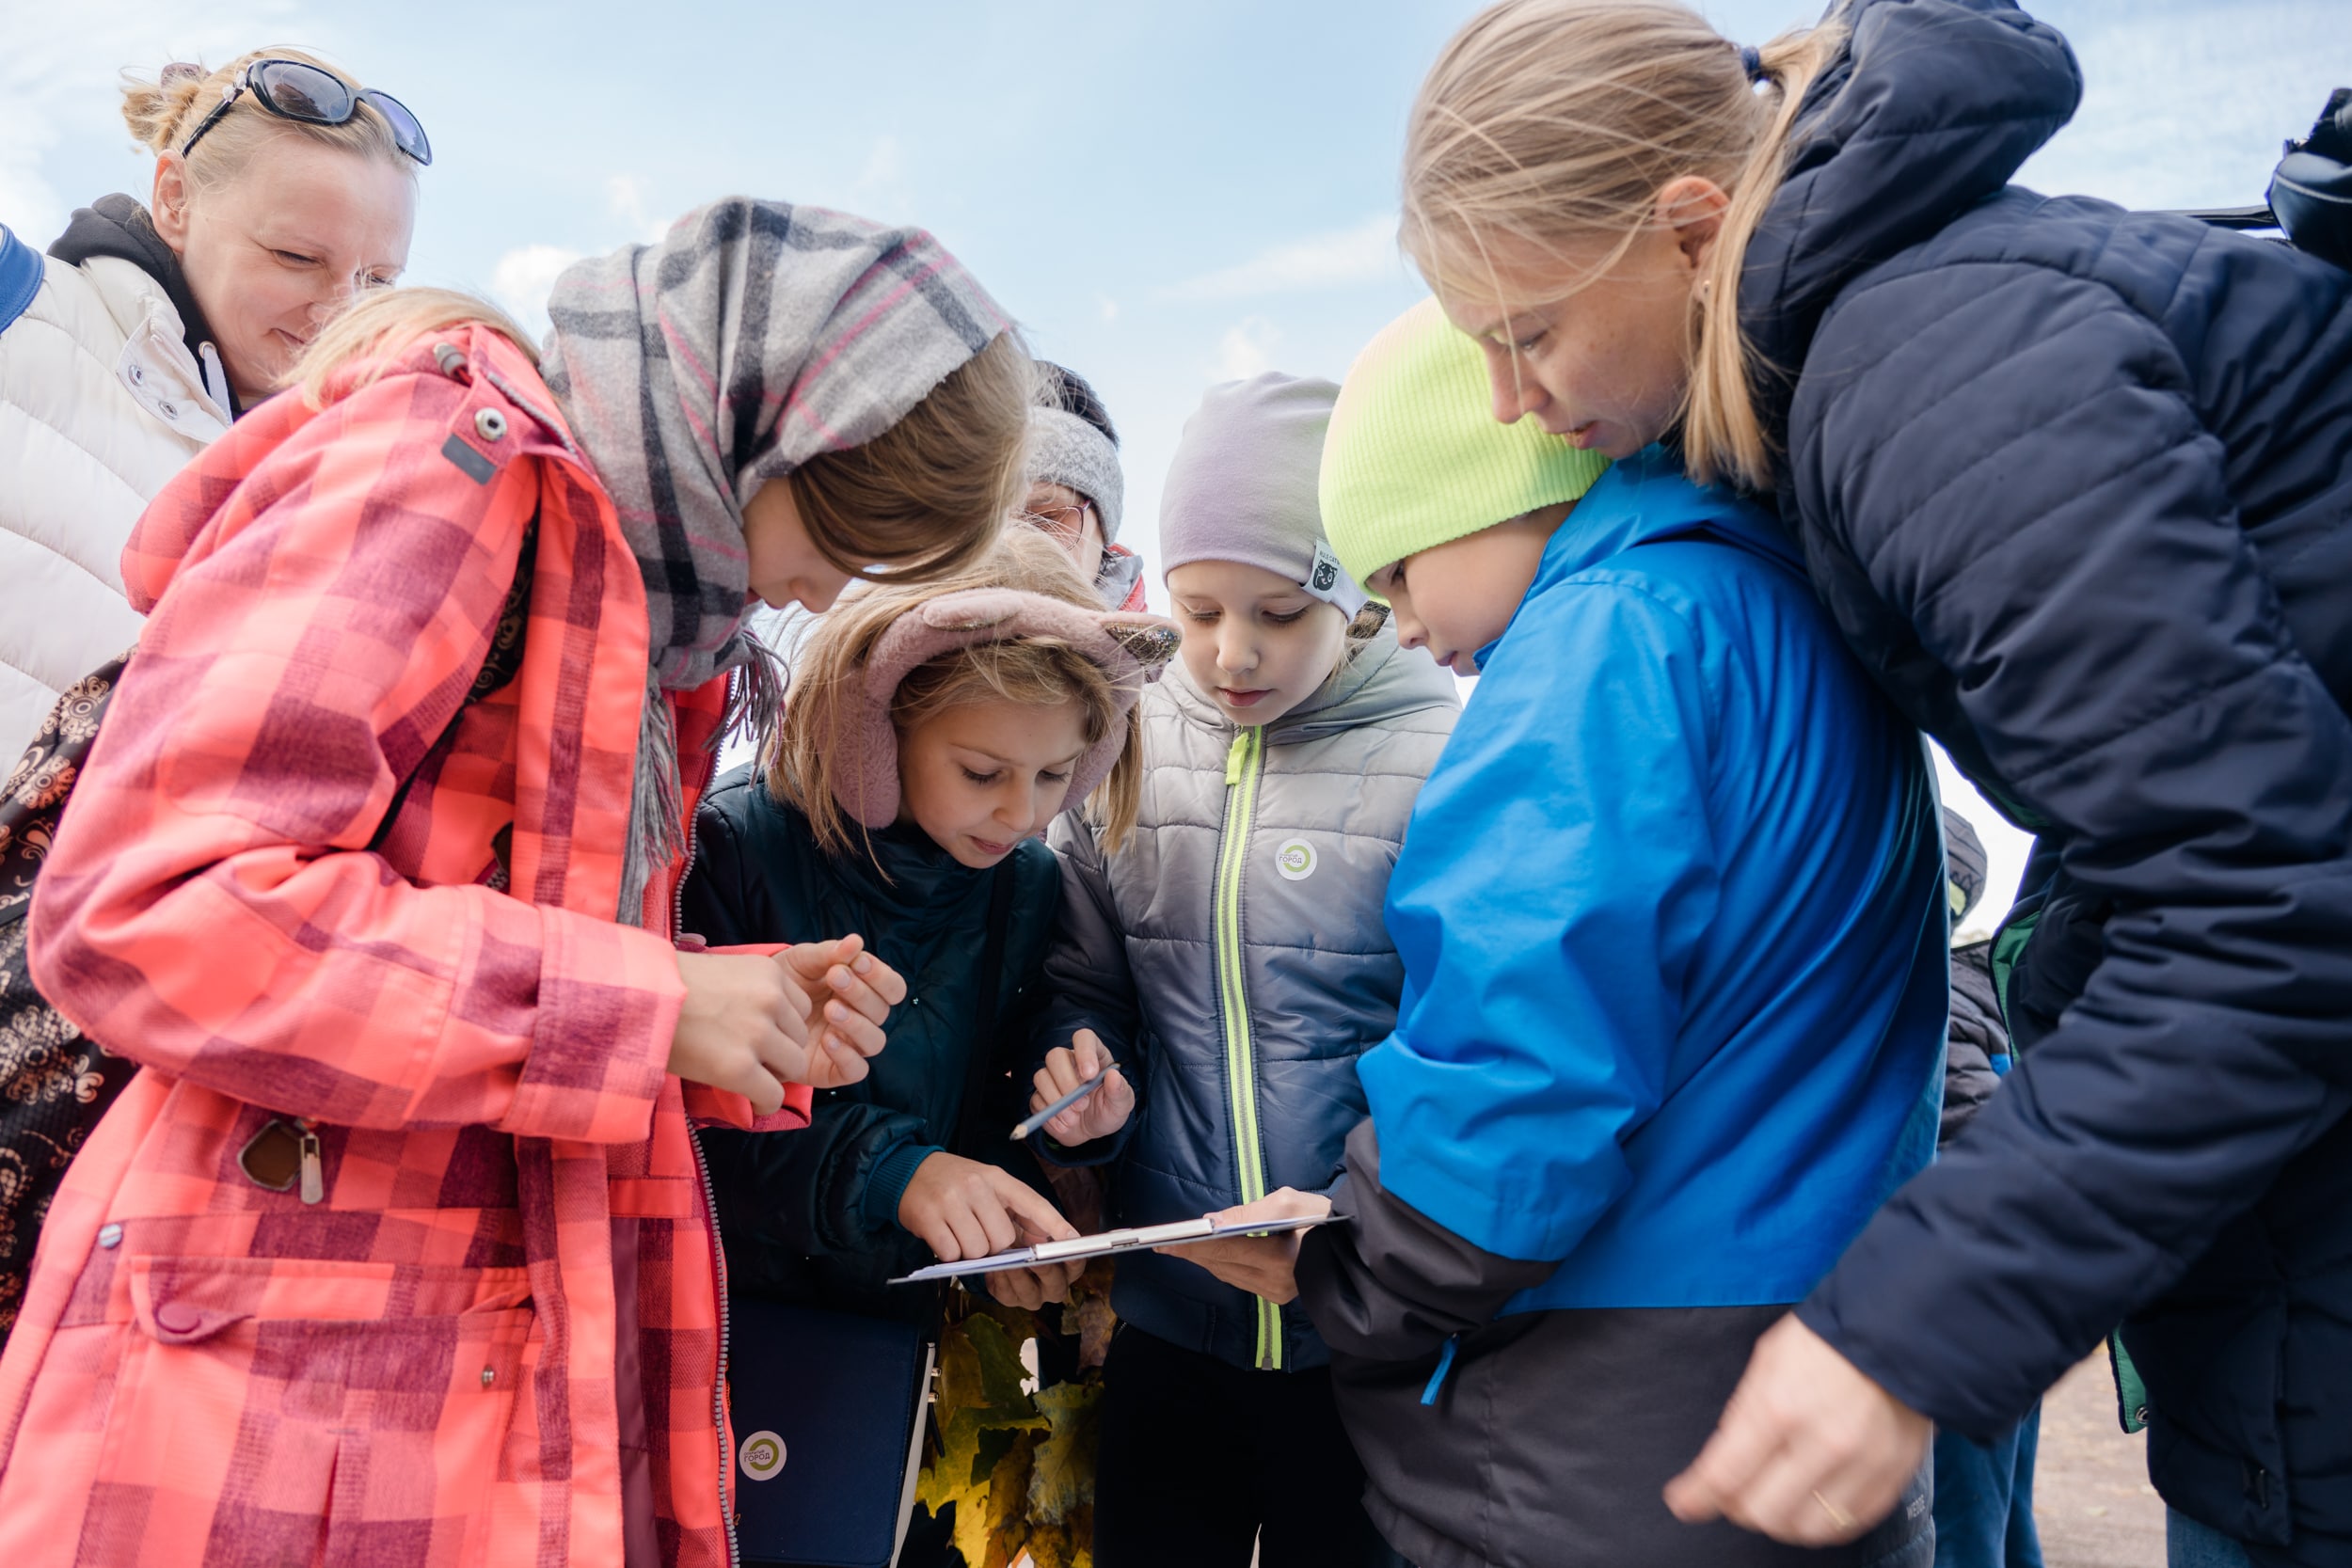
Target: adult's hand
x: 1810, y: 1451
x: 968, y: 1209
x: 849, y: 994
x: 744, y: 1026
x: 1262, y: 1265
x: 1100, y: 1114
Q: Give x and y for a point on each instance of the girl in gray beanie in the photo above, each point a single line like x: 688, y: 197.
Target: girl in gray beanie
x: 1220, y: 971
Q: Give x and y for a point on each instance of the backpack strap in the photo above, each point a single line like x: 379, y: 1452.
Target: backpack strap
x: 20, y: 277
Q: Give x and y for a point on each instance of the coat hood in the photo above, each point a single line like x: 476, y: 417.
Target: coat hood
x: 1932, y: 106
x: 1380, y: 684
x: 1641, y: 501
x: 117, y: 226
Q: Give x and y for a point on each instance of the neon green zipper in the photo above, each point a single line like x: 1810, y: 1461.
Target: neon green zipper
x: 1244, y: 765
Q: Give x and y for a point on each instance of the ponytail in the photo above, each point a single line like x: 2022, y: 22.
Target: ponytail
x: 1552, y: 122
x: 1723, y: 438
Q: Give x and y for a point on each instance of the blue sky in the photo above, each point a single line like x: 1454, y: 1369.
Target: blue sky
x: 1165, y: 194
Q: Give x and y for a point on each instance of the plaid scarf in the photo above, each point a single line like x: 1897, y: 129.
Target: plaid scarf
x: 692, y: 372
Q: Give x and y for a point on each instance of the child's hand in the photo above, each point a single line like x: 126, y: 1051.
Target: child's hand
x: 1262, y: 1265
x: 964, y: 1209
x: 1035, y: 1289
x: 744, y: 1026
x: 1100, y: 1114
x: 850, y: 992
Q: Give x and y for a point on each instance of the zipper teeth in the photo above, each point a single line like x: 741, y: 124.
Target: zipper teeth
x: 711, y: 1212
x: 719, y: 1388
x: 1241, y: 811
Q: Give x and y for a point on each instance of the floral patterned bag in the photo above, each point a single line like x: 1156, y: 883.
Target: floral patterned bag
x: 55, y: 1080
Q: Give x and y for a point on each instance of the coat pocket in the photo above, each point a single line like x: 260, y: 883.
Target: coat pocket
x: 293, y: 1410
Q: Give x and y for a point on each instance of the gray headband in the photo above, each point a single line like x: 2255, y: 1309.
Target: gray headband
x: 1065, y: 450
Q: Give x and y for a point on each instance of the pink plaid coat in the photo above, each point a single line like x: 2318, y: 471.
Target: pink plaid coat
x: 496, y: 1338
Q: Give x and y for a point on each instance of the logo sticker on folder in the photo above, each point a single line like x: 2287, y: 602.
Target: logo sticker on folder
x: 762, y: 1455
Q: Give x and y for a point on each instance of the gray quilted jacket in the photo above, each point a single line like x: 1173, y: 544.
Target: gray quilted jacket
x: 1233, y: 958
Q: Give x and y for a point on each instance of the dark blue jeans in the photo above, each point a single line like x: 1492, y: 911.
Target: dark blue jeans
x: 1984, y: 1499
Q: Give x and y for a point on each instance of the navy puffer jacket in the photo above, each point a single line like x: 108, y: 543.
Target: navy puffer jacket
x: 2076, y: 484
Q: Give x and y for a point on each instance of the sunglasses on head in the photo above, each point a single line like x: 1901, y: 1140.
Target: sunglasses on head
x: 293, y: 91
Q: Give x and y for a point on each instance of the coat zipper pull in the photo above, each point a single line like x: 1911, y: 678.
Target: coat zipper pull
x: 314, y: 1174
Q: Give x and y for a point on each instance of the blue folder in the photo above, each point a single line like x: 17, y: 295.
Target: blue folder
x: 828, y: 1409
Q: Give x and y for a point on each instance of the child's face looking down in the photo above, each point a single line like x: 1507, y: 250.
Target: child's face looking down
x: 1456, y: 598
x: 786, y: 567
x: 981, y: 776
x: 1258, y: 643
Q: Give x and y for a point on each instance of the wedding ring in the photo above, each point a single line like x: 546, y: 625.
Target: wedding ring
x: 1837, y: 1515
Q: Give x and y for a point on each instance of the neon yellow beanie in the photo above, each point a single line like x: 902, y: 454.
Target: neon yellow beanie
x: 1414, y: 458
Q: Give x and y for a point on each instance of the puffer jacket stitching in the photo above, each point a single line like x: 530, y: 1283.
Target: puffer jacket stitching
x: 2128, y: 723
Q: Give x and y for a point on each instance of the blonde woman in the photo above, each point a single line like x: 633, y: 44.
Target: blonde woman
x: 2076, y: 485
x: 283, y: 190
x: 400, y: 1246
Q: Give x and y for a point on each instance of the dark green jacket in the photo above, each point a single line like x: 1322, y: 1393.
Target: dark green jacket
x: 812, y: 1216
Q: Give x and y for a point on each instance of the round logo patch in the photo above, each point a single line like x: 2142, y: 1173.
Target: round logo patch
x: 761, y: 1455
x: 1295, y: 858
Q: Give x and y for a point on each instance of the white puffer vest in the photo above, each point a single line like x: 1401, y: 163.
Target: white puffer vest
x: 101, y: 404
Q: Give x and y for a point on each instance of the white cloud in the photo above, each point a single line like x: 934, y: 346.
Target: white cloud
x: 1365, y: 253
x: 58, y: 84
x: 2185, y: 105
x: 1246, y: 349
x: 625, y: 196
x: 1107, y: 308
x: 524, y: 278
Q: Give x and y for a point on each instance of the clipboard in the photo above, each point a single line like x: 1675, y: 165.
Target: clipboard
x: 1180, y: 1233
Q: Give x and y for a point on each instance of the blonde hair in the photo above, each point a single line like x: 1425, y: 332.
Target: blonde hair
x: 829, y: 676
x: 927, y: 496
x: 386, y: 320
x: 163, y: 113
x: 1548, y: 121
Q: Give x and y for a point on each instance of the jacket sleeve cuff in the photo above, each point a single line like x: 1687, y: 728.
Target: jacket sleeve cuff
x: 608, y: 998
x: 887, y: 1183
x: 1100, y: 1151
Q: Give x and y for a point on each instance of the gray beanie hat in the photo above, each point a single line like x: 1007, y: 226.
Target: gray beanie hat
x: 1244, y: 481
x: 1065, y: 450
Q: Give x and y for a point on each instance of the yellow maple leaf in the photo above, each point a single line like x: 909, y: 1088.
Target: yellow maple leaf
x: 1062, y: 1478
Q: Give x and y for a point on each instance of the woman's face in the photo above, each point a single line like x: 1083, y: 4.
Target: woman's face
x: 1258, y: 643
x: 1069, y: 519
x: 1603, y: 361
x: 787, y: 568
x: 275, y: 254
x: 979, y: 777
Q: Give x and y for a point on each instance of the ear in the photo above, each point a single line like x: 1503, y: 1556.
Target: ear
x: 1692, y: 207
x: 169, y: 207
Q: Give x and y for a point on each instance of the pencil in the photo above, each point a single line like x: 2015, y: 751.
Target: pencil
x: 1038, y: 1118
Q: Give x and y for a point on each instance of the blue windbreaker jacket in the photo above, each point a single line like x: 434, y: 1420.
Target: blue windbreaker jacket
x: 1671, y: 913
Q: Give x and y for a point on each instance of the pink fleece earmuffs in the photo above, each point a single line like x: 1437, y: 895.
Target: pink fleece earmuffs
x: 1129, y: 647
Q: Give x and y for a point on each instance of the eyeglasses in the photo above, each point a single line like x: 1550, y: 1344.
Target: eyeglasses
x: 293, y: 91
x: 1062, y: 522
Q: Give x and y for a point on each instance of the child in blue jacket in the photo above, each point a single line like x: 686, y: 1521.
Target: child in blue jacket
x: 1671, y: 914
